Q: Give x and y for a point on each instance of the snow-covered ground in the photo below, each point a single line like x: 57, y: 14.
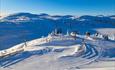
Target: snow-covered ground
x: 61, y: 53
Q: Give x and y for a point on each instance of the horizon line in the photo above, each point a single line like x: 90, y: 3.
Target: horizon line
x: 4, y: 14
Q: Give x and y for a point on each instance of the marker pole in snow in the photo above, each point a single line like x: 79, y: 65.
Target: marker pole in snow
x: 25, y: 43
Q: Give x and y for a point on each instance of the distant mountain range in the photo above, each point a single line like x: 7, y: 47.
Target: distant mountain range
x: 16, y: 28
x: 22, y: 17
x: 65, y: 22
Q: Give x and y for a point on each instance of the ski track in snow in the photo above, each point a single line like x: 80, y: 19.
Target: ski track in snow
x: 58, y: 56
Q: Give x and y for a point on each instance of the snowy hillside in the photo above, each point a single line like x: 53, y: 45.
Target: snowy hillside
x: 26, y: 42
x: 16, y: 28
x: 60, y: 52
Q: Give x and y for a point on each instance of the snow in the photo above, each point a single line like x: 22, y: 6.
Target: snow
x: 56, y: 52
x: 108, y: 31
x: 40, y: 54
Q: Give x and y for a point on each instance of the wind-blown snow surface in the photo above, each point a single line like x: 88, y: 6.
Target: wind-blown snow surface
x: 16, y: 28
x: 42, y: 55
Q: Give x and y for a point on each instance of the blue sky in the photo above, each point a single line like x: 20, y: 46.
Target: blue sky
x: 72, y: 7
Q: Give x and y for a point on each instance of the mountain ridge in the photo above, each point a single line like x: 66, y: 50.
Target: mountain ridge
x: 29, y: 16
